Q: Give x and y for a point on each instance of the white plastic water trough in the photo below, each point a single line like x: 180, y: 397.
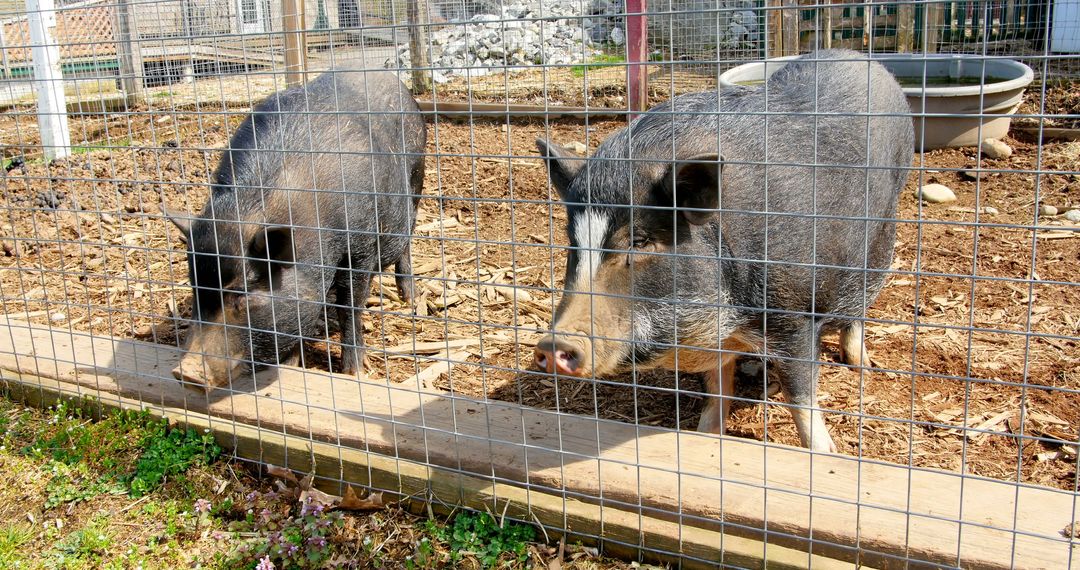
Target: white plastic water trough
x: 956, y: 99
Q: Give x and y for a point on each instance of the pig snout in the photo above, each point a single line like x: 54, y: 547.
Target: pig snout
x: 555, y: 356
x: 206, y: 370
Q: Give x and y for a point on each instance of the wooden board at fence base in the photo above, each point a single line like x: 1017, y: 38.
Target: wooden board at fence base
x: 624, y: 533
x: 883, y: 515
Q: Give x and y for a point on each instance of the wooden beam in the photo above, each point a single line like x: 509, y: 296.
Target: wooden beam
x: 791, y: 27
x: 868, y: 23
x: 417, y: 14
x: 637, y: 56
x: 129, y: 52
x: 775, y: 32
x: 471, y: 109
x: 1049, y: 133
x: 292, y: 16
x: 833, y: 506
x: 905, y: 27
x: 933, y: 21
x: 446, y: 489
x: 827, y: 24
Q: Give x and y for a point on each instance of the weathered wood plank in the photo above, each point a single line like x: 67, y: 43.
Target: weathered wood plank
x: 934, y: 21
x: 905, y: 28
x: 790, y: 27
x: 623, y: 532
x: 775, y: 29
x: 848, y: 507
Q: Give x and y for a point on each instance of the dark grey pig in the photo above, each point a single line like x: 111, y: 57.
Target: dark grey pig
x: 708, y: 226
x: 317, y: 190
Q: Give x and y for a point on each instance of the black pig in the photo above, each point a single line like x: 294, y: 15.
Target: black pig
x: 753, y: 219
x: 317, y: 190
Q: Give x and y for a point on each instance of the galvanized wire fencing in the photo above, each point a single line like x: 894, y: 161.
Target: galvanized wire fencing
x: 955, y: 434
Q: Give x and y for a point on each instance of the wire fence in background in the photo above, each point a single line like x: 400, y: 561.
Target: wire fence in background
x: 958, y: 437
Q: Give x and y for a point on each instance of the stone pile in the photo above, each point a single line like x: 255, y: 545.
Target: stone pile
x: 524, y: 32
x: 480, y: 36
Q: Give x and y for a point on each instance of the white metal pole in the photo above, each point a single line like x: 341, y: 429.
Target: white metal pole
x: 48, y: 79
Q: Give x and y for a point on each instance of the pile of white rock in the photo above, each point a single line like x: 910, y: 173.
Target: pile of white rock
x: 481, y: 36
x: 524, y: 32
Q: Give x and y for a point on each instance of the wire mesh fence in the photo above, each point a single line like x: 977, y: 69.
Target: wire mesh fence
x: 553, y: 335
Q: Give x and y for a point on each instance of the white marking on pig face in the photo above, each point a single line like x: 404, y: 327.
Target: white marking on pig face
x: 591, y: 227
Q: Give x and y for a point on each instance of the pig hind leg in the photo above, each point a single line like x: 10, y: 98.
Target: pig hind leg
x: 798, y: 341
x: 353, y: 287
x: 403, y: 275
x: 853, y: 346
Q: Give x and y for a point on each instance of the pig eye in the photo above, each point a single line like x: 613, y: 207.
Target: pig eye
x: 641, y: 242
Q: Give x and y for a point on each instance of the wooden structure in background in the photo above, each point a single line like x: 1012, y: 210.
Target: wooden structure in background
x: 720, y: 499
x: 419, y: 13
x: 294, y: 30
x: 798, y: 26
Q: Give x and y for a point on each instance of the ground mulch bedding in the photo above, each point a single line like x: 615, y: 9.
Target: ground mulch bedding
x: 978, y: 327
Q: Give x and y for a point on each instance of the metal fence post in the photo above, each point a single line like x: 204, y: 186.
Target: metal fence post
x: 48, y: 79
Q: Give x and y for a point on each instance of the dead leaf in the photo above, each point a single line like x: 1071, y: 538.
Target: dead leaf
x: 308, y: 491
x: 556, y: 563
x: 353, y: 503
x: 281, y: 473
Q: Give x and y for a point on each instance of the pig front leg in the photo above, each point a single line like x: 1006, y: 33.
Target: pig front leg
x: 720, y: 381
x: 352, y: 294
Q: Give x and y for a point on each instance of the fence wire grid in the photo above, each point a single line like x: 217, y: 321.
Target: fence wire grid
x: 558, y: 332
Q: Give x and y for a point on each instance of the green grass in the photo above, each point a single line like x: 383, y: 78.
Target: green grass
x: 69, y: 480
x: 481, y: 535
x: 12, y: 538
x: 85, y: 547
x: 101, y: 145
x: 599, y: 62
x: 124, y: 453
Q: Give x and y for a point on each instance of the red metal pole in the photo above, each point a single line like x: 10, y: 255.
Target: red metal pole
x: 637, y: 56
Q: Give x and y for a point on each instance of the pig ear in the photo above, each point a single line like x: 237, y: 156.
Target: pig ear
x: 275, y: 243
x: 182, y: 221
x: 563, y: 166
x: 695, y: 183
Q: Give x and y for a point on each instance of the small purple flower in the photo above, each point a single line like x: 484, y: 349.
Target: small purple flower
x: 317, y: 541
x: 202, y: 506
x: 311, y: 508
x: 251, y: 496
x: 266, y: 515
x: 218, y: 535
x: 291, y: 550
x: 265, y: 564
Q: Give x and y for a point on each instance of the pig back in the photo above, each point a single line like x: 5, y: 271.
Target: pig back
x: 813, y: 164
x: 334, y: 158
x: 839, y: 144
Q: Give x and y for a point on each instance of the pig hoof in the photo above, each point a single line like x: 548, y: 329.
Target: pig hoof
x: 824, y: 445
x: 190, y: 381
x: 710, y: 421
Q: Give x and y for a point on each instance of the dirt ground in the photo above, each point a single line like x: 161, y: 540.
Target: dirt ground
x: 977, y: 328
